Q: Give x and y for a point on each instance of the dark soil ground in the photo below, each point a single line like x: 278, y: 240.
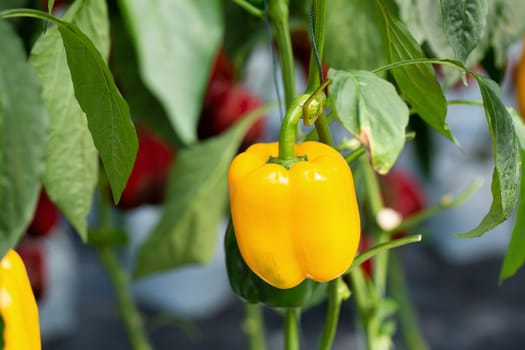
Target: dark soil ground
x: 459, y: 308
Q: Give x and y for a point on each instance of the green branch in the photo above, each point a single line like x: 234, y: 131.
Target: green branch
x: 337, y: 292
x: 380, y: 248
x: 254, y: 326
x: 278, y: 14
x: 129, y: 313
x: 445, y: 62
x: 291, y: 329
x: 250, y: 8
x: 446, y: 202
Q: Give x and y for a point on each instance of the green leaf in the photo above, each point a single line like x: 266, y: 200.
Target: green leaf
x: 9, y: 4
x: 107, y: 112
x: 370, y: 108
x: 50, y: 4
x: 463, y: 23
x: 71, y: 172
x: 239, y: 44
x: 353, y: 40
x: 145, y: 108
x: 23, y: 139
x: 421, y: 18
x: 519, y: 126
x: 507, y: 161
x: 187, y: 230
x: 515, y: 254
x: 91, y: 17
x: 176, y: 42
x: 418, y: 83
x: 507, y: 28
x: 409, y: 14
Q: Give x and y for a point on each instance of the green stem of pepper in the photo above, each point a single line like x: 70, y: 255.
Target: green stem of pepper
x: 307, y: 107
x: 291, y: 329
x: 288, y: 132
x: 278, y: 14
x: 254, y: 326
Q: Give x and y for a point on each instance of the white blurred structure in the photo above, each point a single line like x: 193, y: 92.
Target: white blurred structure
x: 193, y: 292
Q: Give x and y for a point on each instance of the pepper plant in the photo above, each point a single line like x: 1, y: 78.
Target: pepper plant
x: 71, y: 95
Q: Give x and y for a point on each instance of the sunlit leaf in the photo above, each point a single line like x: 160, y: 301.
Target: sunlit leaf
x: 176, y: 42
x: 508, y: 27
x: 507, y: 160
x: 370, y: 108
x: 23, y: 139
x: 187, y: 230
x: 71, y: 172
x: 353, y: 40
x: 515, y: 254
x: 107, y: 112
x: 463, y: 24
x: 417, y: 83
x: 50, y: 4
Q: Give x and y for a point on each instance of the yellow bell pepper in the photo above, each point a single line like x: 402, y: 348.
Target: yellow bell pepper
x: 295, y: 223
x: 18, y: 307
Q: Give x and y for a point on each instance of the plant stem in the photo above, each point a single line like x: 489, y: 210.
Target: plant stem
x: 381, y: 267
x: 332, y: 314
x: 407, y: 316
x: 374, y: 198
x: 314, y: 71
x: 446, y: 202
x: 254, y: 326
x: 370, y: 317
x: 361, y: 258
x: 249, y: 8
x: 278, y: 14
x: 119, y: 277
x: 465, y: 102
x: 323, y: 130
x: 355, y: 154
x: 128, y: 311
x: 291, y: 329
x: 375, y: 206
x: 363, y: 294
x: 445, y: 62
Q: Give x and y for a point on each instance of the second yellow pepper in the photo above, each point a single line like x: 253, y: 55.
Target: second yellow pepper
x: 18, y: 307
x: 296, y: 223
